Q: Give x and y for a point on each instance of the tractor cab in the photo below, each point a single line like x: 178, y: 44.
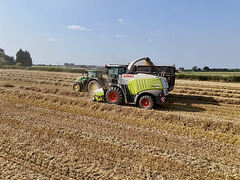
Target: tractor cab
x: 94, y: 74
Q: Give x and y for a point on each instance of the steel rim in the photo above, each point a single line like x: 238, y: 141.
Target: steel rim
x: 76, y: 87
x: 113, y: 96
x: 145, y: 103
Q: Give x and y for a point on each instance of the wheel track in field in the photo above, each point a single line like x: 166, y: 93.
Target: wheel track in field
x: 129, y: 144
x: 171, y: 119
x: 185, y: 135
x: 52, y: 78
x: 180, y: 92
x: 109, y: 127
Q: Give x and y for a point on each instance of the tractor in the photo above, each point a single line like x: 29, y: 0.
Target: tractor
x: 139, y: 83
x: 93, y: 81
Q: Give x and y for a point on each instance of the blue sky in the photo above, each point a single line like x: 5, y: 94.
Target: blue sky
x: 181, y: 32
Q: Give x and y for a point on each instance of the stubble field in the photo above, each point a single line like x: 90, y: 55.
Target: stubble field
x: 47, y: 131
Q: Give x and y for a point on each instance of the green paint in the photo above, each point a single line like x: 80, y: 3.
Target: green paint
x: 136, y: 86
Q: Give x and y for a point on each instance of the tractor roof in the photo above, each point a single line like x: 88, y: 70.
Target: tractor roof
x: 92, y: 70
x: 116, y: 65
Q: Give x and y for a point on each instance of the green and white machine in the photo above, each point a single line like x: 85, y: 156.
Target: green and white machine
x: 93, y: 81
x: 146, y: 88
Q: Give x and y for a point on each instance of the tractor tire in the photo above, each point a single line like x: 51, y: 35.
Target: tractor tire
x: 77, y: 86
x: 114, y: 96
x: 93, y: 86
x: 146, y: 102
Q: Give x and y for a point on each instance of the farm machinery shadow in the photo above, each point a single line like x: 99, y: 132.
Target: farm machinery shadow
x: 188, y: 103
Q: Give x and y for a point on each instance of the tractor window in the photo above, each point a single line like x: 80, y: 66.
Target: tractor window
x: 113, y: 71
x: 91, y: 74
x: 122, y: 70
x: 117, y: 70
x: 99, y: 74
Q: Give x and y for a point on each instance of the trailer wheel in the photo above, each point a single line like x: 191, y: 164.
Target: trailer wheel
x: 114, y: 96
x: 146, y: 102
x: 93, y: 86
x: 77, y: 86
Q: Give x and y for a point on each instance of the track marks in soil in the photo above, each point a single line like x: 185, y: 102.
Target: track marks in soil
x: 51, y: 132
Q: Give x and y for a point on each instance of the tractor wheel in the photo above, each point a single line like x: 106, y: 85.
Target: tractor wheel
x: 77, y: 86
x: 114, y: 96
x: 146, y: 102
x: 93, y: 86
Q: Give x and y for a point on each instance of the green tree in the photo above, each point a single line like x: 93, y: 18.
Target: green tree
x: 194, y: 68
x: 206, y: 68
x: 23, y: 58
x: 5, y: 59
x: 27, y: 58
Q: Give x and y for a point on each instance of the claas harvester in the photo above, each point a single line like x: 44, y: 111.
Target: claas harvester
x: 139, y: 83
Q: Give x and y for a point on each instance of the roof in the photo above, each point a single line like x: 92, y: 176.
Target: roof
x: 116, y: 65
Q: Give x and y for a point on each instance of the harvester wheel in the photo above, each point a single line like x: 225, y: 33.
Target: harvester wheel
x: 93, y: 86
x: 114, y: 96
x: 146, y: 102
x: 77, y: 86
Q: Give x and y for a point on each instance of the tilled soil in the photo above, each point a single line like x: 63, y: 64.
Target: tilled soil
x: 47, y: 131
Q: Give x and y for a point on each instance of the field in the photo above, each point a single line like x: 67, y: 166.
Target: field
x: 47, y: 131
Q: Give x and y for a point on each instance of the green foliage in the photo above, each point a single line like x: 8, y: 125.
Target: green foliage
x: 24, y: 58
x: 45, y: 68
x: 194, y: 68
x: 209, y: 78
x: 5, y: 59
x: 206, y: 68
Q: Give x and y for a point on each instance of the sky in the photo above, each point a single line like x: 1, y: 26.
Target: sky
x: 184, y: 33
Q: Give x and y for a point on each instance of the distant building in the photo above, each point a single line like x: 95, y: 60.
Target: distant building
x: 180, y: 69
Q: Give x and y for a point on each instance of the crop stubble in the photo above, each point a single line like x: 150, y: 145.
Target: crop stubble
x: 50, y: 132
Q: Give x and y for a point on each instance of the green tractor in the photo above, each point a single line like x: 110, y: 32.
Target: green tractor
x: 93, y: 81
x: 140, y: 84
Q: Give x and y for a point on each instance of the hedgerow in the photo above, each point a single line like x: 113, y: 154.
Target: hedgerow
x: 42, y: 68
x: 209, y: 78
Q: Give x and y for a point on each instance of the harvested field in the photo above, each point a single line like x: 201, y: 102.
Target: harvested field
x: 47, y: 131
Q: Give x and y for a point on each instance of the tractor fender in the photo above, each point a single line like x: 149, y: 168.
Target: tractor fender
x: 92, y: 79
x: 99, y: 81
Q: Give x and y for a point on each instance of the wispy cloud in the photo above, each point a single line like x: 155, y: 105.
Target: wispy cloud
x: 46, y: 35
x: 80, y: 28
x: 150, y: 40
x: 50, y: 38
x: 154, y: 33
x: 120, y: 35
x: 120, y: 20
x: 53, y: 39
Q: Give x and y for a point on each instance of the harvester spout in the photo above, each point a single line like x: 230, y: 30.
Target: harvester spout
x: 147, y: 62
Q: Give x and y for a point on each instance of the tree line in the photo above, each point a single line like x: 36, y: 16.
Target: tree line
x: 23, y: 58
x: 206, y: 68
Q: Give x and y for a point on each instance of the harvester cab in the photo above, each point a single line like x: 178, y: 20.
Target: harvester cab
x: 137, y: 83
x: 113, y: 71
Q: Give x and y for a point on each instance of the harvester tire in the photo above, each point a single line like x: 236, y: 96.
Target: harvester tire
x: 146, y: 102
x: 114, y: 96
x: 93, y: 86
x: 77, y: 86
